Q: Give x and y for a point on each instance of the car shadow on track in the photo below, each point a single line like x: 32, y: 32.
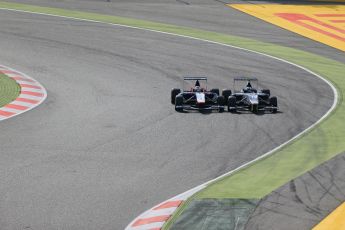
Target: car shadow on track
x: 261, y: 113
x: 208, y: 112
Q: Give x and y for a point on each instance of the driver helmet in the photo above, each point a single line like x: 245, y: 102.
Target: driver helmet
x: 247, y: 89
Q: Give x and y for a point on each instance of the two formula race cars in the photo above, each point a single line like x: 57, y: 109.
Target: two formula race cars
x: 197, y: 96
x: 249, y: 98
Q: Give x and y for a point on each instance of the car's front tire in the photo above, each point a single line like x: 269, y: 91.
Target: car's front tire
x: 274, y: 103
x: 179, y: 103
x: 255, y: 108
x: 232, y: 104
x: 226, y: 93
x: 221, y: 103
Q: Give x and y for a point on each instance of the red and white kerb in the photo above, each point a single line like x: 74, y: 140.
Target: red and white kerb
x: 32, y: 93
x: 156, y: 217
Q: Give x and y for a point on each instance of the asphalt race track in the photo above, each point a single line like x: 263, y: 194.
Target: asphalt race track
x: 107, y: 144
x: 211, y: 15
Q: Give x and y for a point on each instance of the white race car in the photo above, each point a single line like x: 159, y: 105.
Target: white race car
x: 250, y: 98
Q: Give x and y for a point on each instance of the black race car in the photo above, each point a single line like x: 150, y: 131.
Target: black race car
x: 250, y: 98
x: 197, y: 97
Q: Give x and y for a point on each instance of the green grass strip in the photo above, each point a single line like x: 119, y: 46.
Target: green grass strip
x: 259, y: 179
x: 9, y: 90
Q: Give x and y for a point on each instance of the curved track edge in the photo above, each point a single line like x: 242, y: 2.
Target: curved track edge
x: 32, y: 94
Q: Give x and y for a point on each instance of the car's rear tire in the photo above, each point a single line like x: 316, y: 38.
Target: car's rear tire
x: 221, y: 102
x: 274, y: 103
x: 266, y: 91
x: 226, y: 93
x: 174, y: 93
x: 178, y: 102
x: 232, y: 104
x: 216, y: 91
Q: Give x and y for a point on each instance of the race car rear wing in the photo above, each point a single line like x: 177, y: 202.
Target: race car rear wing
x: 195, y: 78
x: 245, y: 79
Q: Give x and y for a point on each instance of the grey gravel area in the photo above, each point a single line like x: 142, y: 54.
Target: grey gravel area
x: 300, y: 204
x: 303, y: 202
x: 212, y: 15
x: 215, y: 214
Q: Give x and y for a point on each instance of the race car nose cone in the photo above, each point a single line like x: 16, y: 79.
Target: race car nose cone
x: 253, y: 98
x: 200, y: 97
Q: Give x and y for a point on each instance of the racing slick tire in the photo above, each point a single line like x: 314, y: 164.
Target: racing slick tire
x: 226, y: 93
x: 174, y: 93
x: 266, y: 91
x: 232, y: 104
x: 179, y: 102
x: 274, y: 103
x: 215, y: 91
x: 221, y: 102
x: 255, y: 108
